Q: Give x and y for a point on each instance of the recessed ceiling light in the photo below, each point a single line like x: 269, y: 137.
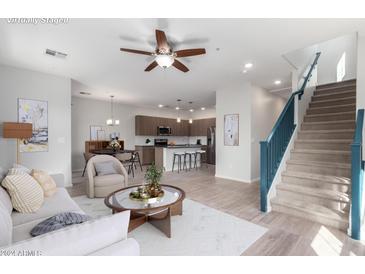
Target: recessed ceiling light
x: 203, y: 108
x: 160, y: 106
x: 191, y: 110
x: 244, y: 71
x: 177, y: 108
x: 277, y: 82
x: 248, y: 65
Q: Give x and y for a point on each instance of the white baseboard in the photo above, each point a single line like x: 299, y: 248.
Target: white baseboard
x: 233, y: 179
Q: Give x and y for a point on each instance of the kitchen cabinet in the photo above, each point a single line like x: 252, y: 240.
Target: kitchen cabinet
x: 147, y: 154
x: 199, y: 127
x: 147, y: 126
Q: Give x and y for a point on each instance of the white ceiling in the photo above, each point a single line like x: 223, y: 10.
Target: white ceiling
x: 97, y: 66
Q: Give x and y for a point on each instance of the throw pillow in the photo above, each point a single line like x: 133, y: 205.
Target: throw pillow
x: 57, y: 222
x: 23, y: 168
x: 16, y: 171
x: 104, y: 168
x: 45, y: 181
x: 26, y: 194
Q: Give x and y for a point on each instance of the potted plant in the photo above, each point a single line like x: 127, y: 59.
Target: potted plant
x: 153, y: 176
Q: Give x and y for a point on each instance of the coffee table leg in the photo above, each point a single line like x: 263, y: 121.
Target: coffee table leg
x: 162, y: 221
x: 177, y: 209
x: 135, y: 222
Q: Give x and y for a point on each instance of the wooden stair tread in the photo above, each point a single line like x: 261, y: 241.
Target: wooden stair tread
x: 329, y: 122
x: 318, y: 177
x: 332, y: 100
x: 327, y: 130
x: 342, y: 141
x: 336, y: 93
x: 322, y: 164
x: 335, y: 107
x: 315, y: 209
x: 320, y: 151
x: 316, y: 192
x: 331, y: 114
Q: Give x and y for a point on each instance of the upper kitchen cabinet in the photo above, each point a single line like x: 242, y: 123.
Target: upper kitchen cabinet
x: 147, y: 126
x: 200, y: 127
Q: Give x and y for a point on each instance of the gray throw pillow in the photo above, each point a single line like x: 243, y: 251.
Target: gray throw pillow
x: 104, y: 168
x: 58, y: 221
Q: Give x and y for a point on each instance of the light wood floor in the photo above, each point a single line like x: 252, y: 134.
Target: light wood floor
x: 287, y: 235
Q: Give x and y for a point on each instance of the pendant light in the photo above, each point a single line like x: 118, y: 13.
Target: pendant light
x: 191, y: 111
x: 111, y: 121
x: 178, y: 119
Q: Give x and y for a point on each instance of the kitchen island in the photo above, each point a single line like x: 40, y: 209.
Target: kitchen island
x: 164, y: 156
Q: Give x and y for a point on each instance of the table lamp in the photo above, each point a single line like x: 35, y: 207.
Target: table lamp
x: 17, y: 131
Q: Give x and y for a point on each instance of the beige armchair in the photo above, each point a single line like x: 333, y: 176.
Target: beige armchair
x: 101, y: 186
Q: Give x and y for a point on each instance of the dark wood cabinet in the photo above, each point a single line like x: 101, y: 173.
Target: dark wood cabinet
x: 147, y: 154
x: 147, y: 126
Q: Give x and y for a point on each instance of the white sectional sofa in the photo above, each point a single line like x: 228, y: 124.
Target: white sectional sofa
x: 104, y: 236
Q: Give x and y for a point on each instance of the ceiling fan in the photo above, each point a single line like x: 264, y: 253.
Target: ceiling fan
x: 164, y: 54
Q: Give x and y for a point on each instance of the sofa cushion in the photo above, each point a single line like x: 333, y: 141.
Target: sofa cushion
x: 109, y: 180
x: 60, y: 202
x: 5, y: 200
x: 79, y: 239
x: 45, y: 181
x: 6, y: 226
x: 26, y: 194
x: 104, y: 168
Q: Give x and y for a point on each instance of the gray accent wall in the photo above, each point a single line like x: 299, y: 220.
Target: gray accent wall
x: 21, y: 83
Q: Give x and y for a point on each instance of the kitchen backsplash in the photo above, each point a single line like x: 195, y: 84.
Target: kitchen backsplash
x: 141, y: 140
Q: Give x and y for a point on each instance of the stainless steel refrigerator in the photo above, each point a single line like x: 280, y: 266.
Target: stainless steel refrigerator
x: 211, y: 145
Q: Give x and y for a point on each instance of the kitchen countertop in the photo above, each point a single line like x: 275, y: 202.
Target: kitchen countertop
x: 173, y: 146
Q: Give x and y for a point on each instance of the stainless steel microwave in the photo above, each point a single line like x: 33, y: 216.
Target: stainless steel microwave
x: 163, y: 131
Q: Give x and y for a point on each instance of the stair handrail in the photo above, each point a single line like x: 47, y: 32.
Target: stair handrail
x: 283, y: 129
x: 357, y: 170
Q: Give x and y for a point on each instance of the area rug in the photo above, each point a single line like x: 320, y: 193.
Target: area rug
x: 201, y: 230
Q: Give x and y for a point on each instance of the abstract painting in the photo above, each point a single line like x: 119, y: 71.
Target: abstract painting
x: 231, y: 130
x: 35, y: 112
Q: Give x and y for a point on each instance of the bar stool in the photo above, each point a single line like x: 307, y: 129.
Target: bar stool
x: 201, y: 153
x: 178, y: 155
x: 189, y: 154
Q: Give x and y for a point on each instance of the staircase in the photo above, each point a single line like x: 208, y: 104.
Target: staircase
x: 316, y: 184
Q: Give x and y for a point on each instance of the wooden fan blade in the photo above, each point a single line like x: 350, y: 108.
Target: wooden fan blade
x: 161, y: 39
x: 189, y: 52
x: 136, y: 51
x: 151, y: 66
x: 180, y: 66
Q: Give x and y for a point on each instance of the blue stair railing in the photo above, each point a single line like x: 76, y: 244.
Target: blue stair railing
x: 357, y: 171
x: 273, y: 148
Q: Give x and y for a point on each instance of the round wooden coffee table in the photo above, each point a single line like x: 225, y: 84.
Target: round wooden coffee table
x: 158, y: 213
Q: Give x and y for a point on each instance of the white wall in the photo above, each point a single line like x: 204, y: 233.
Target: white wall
x: 331, y: 54
x: 265, y: 110
x: 258, y: 110
x: 234, y: 162
x: 20, y: 83
x: 86, y: 112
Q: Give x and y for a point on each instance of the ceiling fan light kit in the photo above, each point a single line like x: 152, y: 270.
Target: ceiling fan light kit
x: 165, y: 57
